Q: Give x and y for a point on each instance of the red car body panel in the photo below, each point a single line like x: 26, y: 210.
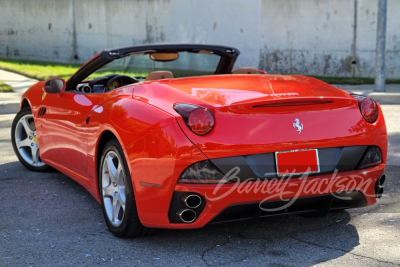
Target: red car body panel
x: 159, y: 146
x: 275, y: 133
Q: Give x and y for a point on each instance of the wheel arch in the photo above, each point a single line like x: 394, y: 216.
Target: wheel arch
x: 105, y: 136
x: 25, y: 104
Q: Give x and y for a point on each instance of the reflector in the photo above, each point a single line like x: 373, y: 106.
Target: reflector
x: 372, y: 158
x: 202, y: 172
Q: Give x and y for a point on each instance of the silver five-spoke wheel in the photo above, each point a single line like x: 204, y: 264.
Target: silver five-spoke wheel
x: 27, y: 142
x: 113, y: 188
x: 116, y: 193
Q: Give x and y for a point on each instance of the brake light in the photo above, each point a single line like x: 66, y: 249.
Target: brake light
x: 368, y: 108
x: 200, y: 120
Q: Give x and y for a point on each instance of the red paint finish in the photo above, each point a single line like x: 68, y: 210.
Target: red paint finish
x: 251, y: 116
x: 260, y: 130
x: 159, y: 158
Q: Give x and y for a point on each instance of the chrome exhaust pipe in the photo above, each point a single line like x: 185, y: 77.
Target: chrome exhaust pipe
x: 192, y: 201
x: 186, y: 215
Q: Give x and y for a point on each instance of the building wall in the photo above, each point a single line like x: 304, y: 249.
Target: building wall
x: 312, y: 37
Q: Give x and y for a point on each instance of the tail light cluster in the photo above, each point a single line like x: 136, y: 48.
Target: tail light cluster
x: 368, y: 108
x: 200, y: 120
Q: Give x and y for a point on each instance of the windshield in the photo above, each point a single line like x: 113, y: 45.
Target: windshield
x: 140, y: 65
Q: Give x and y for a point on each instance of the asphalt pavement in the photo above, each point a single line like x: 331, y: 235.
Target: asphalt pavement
x: 47, y: 219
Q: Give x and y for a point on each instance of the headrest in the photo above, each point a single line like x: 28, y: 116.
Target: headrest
x: 245, y: 70
x: 158, y: 75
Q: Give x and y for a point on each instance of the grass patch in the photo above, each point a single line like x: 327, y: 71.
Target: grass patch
x: 42, y: 70
x: 39, y: 70
x: 5, y: 87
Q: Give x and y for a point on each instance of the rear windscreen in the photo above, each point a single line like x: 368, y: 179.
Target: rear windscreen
x: 140, y: 65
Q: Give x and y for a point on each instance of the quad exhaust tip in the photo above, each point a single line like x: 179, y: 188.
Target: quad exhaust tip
x: 186, y: 215
x: 192, y: 201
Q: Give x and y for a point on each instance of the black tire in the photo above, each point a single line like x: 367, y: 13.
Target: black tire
x: 30, y: 166
x: 130, y: 225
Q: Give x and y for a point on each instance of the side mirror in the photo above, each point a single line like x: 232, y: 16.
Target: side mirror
x: 54, y: 86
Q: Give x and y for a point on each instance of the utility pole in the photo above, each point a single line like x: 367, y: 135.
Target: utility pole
x: 381, y: 47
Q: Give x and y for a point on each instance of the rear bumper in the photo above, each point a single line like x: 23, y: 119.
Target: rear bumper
x: 295, y: 195
x: 157, y: 161
x: 315, y: 204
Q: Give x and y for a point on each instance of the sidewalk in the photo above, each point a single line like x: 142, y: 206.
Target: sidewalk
x: 9, y: 102
x: 391, y: 96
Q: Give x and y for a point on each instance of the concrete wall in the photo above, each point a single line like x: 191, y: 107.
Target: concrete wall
x: 312, y: 37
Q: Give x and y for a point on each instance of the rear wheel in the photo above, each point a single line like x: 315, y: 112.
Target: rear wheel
x: 116, y: 194
x: 25, y: 143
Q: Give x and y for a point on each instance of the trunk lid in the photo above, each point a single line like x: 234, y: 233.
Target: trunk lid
x: 228, y: 90
x: 267, y: 113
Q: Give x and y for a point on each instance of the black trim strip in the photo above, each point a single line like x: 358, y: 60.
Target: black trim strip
x: 316, y: 204
x: 263, y: 165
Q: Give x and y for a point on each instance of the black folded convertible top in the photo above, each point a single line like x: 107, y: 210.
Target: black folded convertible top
x: 228, y: 57
x: 223, y: 51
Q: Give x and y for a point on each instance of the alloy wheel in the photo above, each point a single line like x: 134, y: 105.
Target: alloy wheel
x: 26, y: 141
x: 113, y: 188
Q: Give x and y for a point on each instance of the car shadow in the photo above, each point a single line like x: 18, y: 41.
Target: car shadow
x: 276, y: 241
x: 66, y: 209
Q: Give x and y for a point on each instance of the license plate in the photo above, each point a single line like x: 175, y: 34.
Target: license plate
x: 297, y: 162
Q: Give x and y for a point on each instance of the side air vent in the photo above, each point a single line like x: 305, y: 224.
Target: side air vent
x: 294, y: 103
x: 41, y: 112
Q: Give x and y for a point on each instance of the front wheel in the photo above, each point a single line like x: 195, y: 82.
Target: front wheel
x: 116, y: 194
x: 25, y: 143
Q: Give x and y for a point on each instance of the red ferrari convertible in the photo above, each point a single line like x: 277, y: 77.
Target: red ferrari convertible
x: 170, y: 136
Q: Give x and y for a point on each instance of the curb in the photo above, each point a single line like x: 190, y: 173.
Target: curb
x: 385, y: 98
x: 9, y: 108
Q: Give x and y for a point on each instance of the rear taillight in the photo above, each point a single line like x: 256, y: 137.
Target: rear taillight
x: 199, y: 119
x: 372, y: 158
x: 368, y: 108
